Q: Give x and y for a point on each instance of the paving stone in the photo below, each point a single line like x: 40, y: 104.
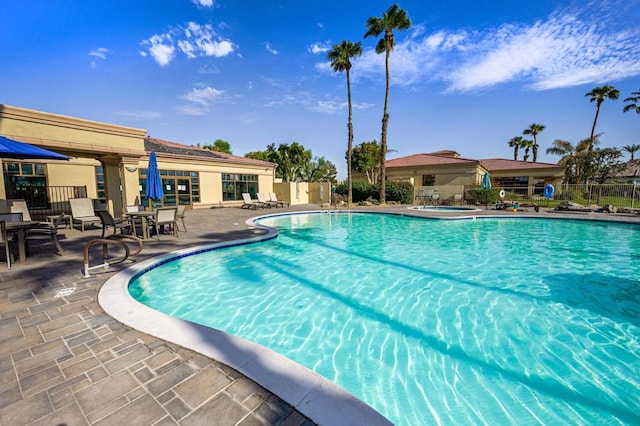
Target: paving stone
x: 294, y: 419
x: 20, y: 355
x: 221, y: 410
x: 136, y: 393
x: 142, y: 411
x: 97, y: 374
x: 41, y: 380
x: 170, y: 366
x: 103, y: 345
x: 160, y: 358
x: 144, y: 375
x: 105, y: 391
x: 9, y: 393
x: 61, y: 398
x: 107, y: 409
x: 177, y: 408
x: 69, y: 415
x: 37, y: 361
x: 26, y: 410
x: 126, y: 347
x: 243, y: 388
x: 80, y: 367
x: 33, y: 319
x: 80, y: 338
x: 46, y: 346
x: 200, y: 387
x: 162, y: 383
x: 125, y: 361
x: 166, y: 421
x: 166, y: 397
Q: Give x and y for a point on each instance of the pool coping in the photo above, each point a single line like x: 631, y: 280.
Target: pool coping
x: 316, y: 397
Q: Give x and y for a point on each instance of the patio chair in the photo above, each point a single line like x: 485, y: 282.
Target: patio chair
x: 275, y: 201
x: 262, y: 200
x: 109, y: 221
x: 180, y: 216
x: 82, y: 212
x: 249, y: 203
x: 45, y: 232
x: 4, y: 239
x: 165, y: 216
x: 20, y: 206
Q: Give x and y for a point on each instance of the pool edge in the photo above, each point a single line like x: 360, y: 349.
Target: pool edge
x: 314, y: 396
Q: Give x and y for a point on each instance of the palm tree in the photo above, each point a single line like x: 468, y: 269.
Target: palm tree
x: 394, y: 18
x: 340, y: 57
x: 634, y: 103
x: 571, y: 157
x: 631, y: 149
x: 598, y: 95
x: 526, y: 144
x: 533, y: 130
x: 515, y: 143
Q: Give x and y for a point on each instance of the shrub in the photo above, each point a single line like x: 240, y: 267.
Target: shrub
x: 400, y: 192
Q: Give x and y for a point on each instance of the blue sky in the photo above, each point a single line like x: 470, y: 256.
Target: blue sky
x: 467, y: 76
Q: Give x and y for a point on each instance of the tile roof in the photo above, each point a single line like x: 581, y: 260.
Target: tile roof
x: 504, y: 164
x: 432, y: 159
x: 631, y: 169
x: 160, y: 146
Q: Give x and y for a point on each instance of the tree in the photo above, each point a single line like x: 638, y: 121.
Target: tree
x: 572, y: 157
x: 602, y: 164
x: 258, y: 155
x: 533, y: 130
x: 631, y: 149
x: 220, y: 146
x: 340, y: 57
x: 634, y: 103
x: 526, y: 144
x: 598, y: 95
x: 292, y: 160
x: 319, y: 170
x: 366, y: 159
x: 515, y: 144
x: 395, y: 18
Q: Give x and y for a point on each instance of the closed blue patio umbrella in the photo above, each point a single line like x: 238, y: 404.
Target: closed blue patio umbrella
x: 153, y: 188
x: 486, y: 185
x: 10, y: 148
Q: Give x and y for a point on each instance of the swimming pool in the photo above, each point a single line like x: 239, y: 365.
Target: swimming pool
x: 468, y: 321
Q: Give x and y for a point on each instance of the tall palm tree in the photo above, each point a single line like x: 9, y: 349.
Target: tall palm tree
x: 571, y: 157
x: 631, y: 149
x: 598, y: 95
x: 395, y: 18
x: 526, y: 144
x: 533, y: 130
x: 634, y: 103
x: 515, y: 143
x: 340, y: 57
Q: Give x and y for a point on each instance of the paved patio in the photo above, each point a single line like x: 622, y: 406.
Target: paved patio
x: 64, y: 361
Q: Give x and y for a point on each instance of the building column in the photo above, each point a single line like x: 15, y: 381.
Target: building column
x: 130, y: 182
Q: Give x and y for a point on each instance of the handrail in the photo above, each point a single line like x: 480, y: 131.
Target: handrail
x: 113, y: 240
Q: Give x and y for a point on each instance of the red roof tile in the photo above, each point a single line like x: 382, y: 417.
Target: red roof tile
x: 426, y: 160
x: 492, y: 164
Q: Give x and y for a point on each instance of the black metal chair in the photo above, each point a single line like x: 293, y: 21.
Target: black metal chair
x: 45, y: 231
x: 108, y: 220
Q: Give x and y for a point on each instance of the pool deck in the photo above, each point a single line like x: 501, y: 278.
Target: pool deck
x: 63, y: 360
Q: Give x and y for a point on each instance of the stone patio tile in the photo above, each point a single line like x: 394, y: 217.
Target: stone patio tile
x: 41, y: 379
x: 295, y: 419
x: 171, y: 365
x: 19, y: 342
x: 97, y: 374
x: 144, y: 375
x: 161, y: 357
x: 221, y: 408
x: 33, y: 319
x: 69, y: 415
x: 165, y: 421
x: 200, y: 387
x: 243, y: 388
x: 26, y: 411
x: 65, y: 331
x: 80, y: 338
x: 103, y: 345
x: 37, y: 361
x: 80, y: 367
x: 162, y: 383
x: 61, y: 322
x: 46, y: 346
x: 177, y: 408
x: 105, y: 391
x: 9, y: 394
x: 61, y: 398
x: 68, y: 384
x: 125, y: 361
x: 23, y: 354
x: 107, y: 409
x: 46, y: 305
x: 142, y: 411
x: 126, y: 347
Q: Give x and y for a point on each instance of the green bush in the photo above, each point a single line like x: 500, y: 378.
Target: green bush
x: 482, y: 196
x: 363, y: 191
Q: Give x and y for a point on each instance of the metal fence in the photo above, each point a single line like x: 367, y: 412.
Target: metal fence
x: 618, y: 195
x: 46, y: 201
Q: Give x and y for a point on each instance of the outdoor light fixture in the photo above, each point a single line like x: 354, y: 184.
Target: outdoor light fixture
x: 131, y: 168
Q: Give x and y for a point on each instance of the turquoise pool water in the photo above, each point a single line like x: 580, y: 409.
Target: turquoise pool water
x: 492, y: 321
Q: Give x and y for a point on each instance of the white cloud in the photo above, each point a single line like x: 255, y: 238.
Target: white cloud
x: 570, y: 47
x: 139, y: 115
x: 319, y: 47
x: 309, y: 102
x: 204, y: 3
x: 270, y: 49
x: 194, y: 40
x: 200, y: 99
x: 100, y: 52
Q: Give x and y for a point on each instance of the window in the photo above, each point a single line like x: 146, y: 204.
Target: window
x: 233, y: 185
x: 100, y: 188
x: 26, y: 181
x: 428, y: 180
x: 180, y: 187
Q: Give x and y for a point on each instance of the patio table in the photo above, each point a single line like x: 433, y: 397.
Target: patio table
x: 21, y: 228
x: 144, y: 216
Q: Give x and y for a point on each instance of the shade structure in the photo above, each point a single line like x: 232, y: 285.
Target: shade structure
x: 10, y: 148
x: 153, y: 188
x: 486, y: 181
